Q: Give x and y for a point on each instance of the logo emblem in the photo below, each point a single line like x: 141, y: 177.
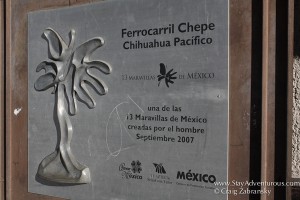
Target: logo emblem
x: 159, y: 168
x: 131, y: 172
x: 136, y: 166
x: 168, y: 76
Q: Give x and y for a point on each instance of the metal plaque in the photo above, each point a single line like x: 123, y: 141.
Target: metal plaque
x: 129, y: 100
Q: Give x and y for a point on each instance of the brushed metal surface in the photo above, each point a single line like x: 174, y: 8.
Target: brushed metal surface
x: 147, y: 138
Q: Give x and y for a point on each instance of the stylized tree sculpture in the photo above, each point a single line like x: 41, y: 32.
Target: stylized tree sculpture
x: 68, y: 72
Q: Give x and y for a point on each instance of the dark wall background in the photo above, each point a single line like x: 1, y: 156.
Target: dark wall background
x: 297, y: 29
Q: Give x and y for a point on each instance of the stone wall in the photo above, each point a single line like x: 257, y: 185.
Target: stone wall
x: 296, y: 120
x: 296, y: 96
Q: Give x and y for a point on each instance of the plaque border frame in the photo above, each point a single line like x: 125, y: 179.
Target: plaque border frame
x: 16, y: 95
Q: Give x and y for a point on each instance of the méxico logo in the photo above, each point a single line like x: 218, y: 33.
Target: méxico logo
x: 131, y: 172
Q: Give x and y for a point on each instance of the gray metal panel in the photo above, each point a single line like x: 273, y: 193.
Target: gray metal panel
x: 103, y: 138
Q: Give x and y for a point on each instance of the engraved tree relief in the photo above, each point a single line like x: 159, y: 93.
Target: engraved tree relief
x: 68, y: 73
